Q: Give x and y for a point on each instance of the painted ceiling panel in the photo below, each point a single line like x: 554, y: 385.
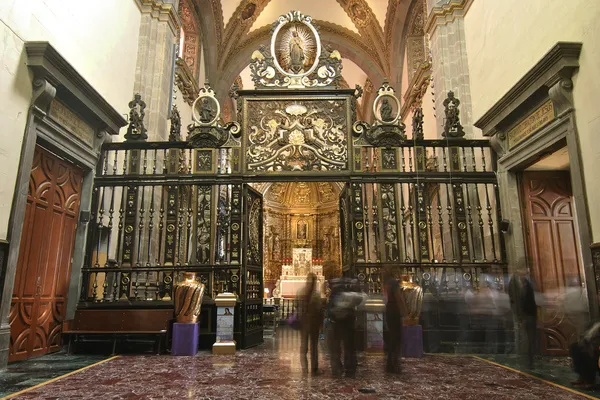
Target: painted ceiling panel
x: 379, y: 8
x: 229, y: 7
x: 326, y: 10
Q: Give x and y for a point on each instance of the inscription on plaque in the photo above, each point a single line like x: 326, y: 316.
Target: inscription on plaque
x: 74, y: 124
x: 531, y: 124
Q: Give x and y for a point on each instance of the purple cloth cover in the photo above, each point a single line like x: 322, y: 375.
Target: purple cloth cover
x: 412, y: 341
x: 185, y: 339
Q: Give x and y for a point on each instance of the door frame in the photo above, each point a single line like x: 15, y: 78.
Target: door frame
x: 54, y: 79
x: 548, y: 80
x: 28, y: 271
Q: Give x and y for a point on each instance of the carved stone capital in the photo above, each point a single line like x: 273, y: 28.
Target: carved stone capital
x: 185, y: 81
x: 43, y: 94
x: 161, y: 10
x: 498, y: 143
x: 443, y: 14
x: 561, y: 94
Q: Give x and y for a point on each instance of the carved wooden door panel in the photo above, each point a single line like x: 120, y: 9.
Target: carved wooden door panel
x: 553, y: 251
x: 44, y: 266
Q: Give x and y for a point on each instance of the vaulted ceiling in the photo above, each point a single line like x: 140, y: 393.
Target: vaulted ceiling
x: 302, y: 194
x: 369, y: 34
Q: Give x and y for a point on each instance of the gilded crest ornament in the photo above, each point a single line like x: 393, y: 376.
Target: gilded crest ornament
x: 287, y: 136
x: 388, y: 129
x: 207, y: 131
x: 295, y: 58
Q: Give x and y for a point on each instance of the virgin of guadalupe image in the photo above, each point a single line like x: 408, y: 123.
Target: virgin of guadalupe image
x: 301, y: 230
x: 296, y: 52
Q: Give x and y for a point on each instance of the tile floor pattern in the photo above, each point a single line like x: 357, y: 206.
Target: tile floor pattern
x: 25, y: 374
x: 272, y: 371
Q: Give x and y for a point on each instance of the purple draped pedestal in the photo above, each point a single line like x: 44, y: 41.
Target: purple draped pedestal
x: 412, y: 341
x: 185, y: 339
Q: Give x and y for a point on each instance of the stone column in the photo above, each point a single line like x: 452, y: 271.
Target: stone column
x: 159, y: 30
x: 445, y: 26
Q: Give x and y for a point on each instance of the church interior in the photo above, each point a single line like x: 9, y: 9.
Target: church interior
x: 194, y: 193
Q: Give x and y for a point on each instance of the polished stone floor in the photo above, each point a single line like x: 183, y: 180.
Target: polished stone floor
x: 554, y: 369
x: 25, y: 374
x: 272, y: 371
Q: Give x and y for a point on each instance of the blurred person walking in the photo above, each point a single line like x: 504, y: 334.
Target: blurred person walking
x: 524, y: 307
x: 345, y: 297
x: 395, y: 309
x: 311, y: 318
x: 584, y: 355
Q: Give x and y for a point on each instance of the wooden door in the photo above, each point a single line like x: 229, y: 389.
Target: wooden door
x: 553, y: 251
x: 45, y: 256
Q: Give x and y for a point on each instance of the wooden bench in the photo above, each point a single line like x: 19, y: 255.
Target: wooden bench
x: 118, y: 324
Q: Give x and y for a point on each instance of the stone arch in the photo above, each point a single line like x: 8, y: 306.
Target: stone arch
x: 398, y: 30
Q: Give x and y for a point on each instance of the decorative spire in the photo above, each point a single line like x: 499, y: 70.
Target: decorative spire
x: 175, y: 132
x: 136, y: 130
x: 452, y: 127
x: 417, y: 124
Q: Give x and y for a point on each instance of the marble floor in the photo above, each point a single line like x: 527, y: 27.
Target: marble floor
x: 25, y: 374
x: 272, y: 371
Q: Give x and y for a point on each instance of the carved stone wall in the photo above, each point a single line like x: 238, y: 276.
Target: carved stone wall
x: 450, y: 70
x: 416, y: 48
x: 192, y: 39
x: 159, y: 30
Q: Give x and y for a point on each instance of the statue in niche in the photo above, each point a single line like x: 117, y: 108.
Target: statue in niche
x: 301, y: 230
x: 276, y: 246
x: 207, y: 112
x: 452, y: 126
x: 391, y: 236
x: 326, y: 244
x: 296, y: 52
x: 386, y: 111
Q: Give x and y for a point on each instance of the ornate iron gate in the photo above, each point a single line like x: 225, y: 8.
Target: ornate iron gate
x: 427, y: 208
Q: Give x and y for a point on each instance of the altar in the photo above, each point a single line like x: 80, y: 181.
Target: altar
x: 294, y: 273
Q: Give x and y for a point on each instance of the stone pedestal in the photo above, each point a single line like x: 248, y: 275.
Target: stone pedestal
x: 412, y: 341
x: 225, y: 303
x: 185, y: 339
x: 374, y: 315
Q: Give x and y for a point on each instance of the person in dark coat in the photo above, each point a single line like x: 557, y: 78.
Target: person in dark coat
x: 311, y: 317
x: 395, y: 308
x: 524, y: 307
x: 585, y: 356
x: 345, y: 297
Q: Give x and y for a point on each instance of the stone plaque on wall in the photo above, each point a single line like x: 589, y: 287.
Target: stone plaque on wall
x: 530, y: 124
x: 72, y: 122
